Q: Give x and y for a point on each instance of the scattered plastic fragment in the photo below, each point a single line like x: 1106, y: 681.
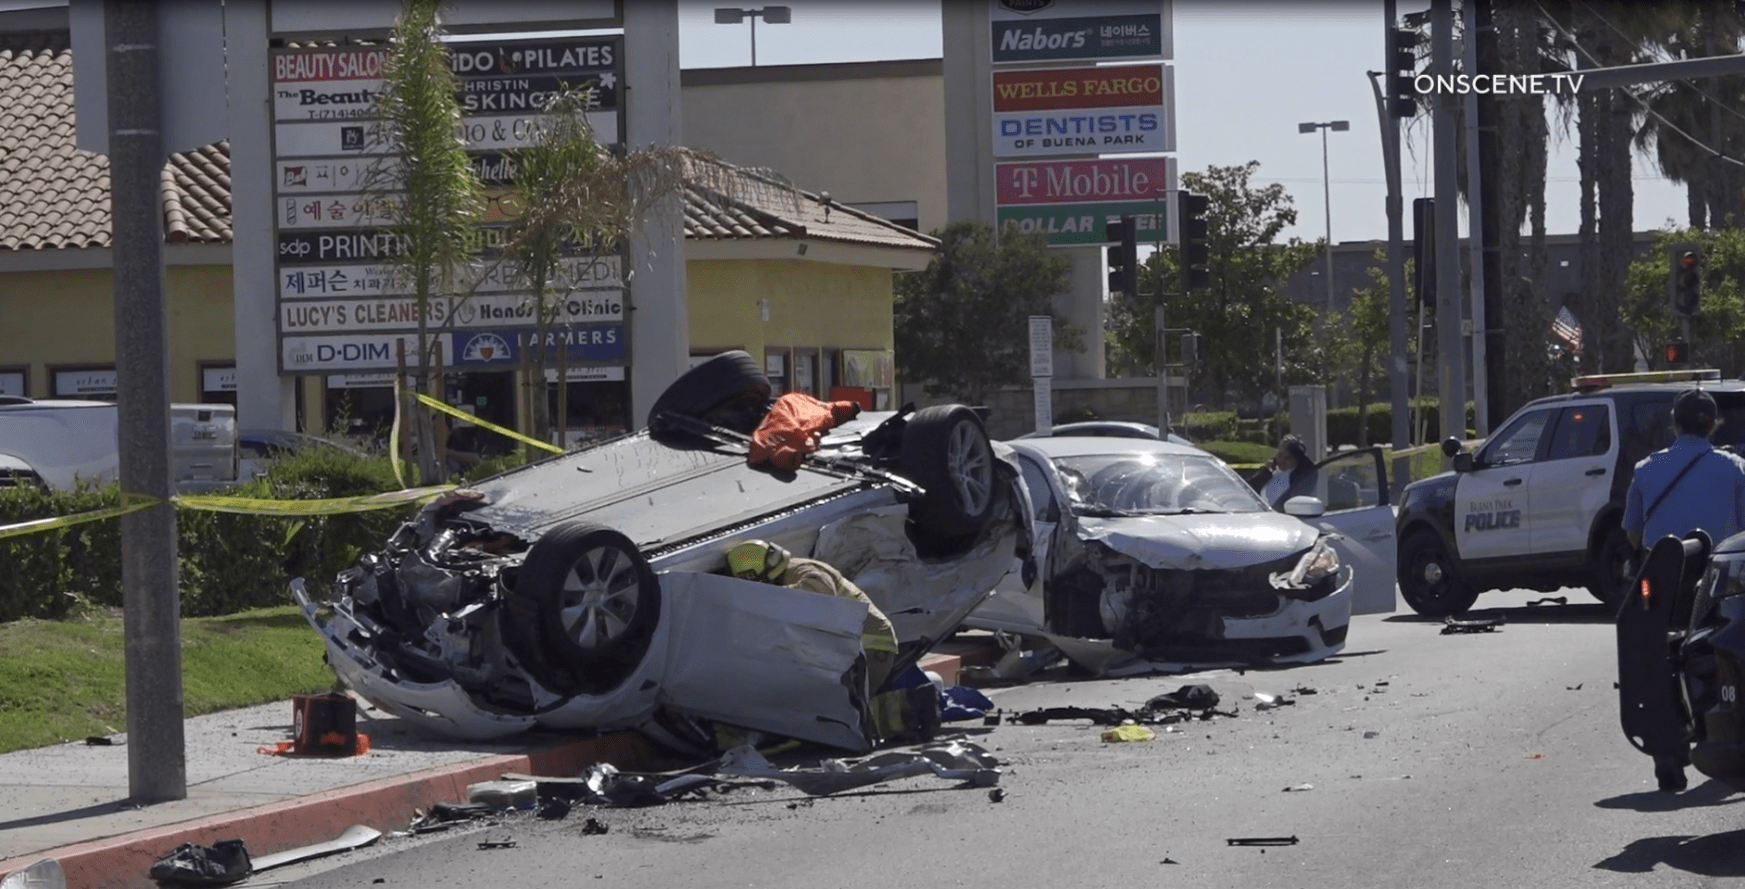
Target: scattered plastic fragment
x: 1261, y: 841
x: 496, y: 844
x: 1534, y: 756
x: 44, y: 873
x: 1164, y: 708
x: 593, y: 827
x: 997, y: 795
x: 961, y: 702
x: 1369, y: 736
x: 356, y: 836
x: 191, y: 864
x: 554, y: 809
x: 1298, y: 788
x: 1126, y: 733
x: 1304, y: 690
x: 1549, y: 600
x: 955, y: 760
x: 1575, y: 687
x: 1169, y: 861
x: 1451, y: 626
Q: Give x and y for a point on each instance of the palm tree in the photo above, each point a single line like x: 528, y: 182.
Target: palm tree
x: 1688, y: 113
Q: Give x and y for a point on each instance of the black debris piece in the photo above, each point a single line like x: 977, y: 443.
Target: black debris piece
x: 496, y: 844
x: 1188, y: 697
x: 1549, y: 600
x: 1105, y: 716
x: 996, y: 795
x: 554, y: 809
x: 1304, y: 690
x: 1451, y: 626
x: 1262, y: 841
x: 99, y: 741
x: 1169, y: 861
x: 1575, y: 687
x: 190, y: 864
x: 593, y: 827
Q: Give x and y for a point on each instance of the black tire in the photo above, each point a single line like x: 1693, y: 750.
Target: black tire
x: 1428, y: 581
x: 1612, y: 566
x: 946, y: 450
x: 728, y: 390
x: 596, y: 597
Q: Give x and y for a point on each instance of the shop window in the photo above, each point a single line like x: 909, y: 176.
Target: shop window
x: 93, y: 383
x: 596, y: 404
x: 15, y: 381
x: 360, y: 404
x: 217, y: 383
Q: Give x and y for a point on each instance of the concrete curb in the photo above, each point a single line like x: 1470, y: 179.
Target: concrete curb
x: 122, y: 862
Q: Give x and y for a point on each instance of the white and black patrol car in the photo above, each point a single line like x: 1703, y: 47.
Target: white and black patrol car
x: 1539, y: 505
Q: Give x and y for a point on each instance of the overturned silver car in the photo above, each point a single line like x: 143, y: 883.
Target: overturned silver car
x: 588, y: 590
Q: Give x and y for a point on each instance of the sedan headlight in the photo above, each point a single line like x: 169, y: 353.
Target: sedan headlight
x: 1319, y: 563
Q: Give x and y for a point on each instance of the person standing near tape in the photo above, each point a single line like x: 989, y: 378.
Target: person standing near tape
x: 1680, y: 489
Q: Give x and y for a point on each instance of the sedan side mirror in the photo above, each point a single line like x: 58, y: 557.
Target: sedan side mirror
x: 1304, y: 507
x: 1462, y: 462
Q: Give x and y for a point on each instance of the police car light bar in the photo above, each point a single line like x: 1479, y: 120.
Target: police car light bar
x: 1590, y: 382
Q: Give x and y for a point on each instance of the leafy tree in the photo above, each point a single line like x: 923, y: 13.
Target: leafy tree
x: 1717, y: 334
x: 962, y: 323
x: 437, y: 196
x: 1362, y: 340
x: 581, y: 196
x: 1242, y: 306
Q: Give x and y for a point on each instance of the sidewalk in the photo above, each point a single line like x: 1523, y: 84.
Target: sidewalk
x: 69, y: 802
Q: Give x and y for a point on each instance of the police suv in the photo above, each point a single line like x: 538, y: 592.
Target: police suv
x: 1539, y: 505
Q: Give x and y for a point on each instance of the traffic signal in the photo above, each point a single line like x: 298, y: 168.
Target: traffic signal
x: 1190, y: 348
x: 1196, y: 252
x: 1677, y: 353
x: 1424, y: 248
x: 1403, y: 65
x: 1687, y: 278
x: 1123, y: 255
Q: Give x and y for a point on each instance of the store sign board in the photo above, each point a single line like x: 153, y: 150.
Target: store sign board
x: 355, y: 352
x: 1056, y: 89
x: 330, y: 138
x: 402, y: 314
x: 501, y: 348
x: 1089, y: 30
x: 1082, y: 225
x: 1078, y: 181
x: 329, y: 281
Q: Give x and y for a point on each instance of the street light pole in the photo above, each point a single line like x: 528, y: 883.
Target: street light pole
x: 773, y: 15
x: 1327, y: 191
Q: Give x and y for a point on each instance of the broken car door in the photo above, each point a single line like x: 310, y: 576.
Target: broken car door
x: 1354, y: 487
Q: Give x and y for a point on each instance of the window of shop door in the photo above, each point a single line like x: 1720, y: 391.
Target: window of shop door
x: 488, y: 396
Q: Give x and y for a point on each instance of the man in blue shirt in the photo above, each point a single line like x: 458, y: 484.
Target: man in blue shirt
x: 1680, y: 489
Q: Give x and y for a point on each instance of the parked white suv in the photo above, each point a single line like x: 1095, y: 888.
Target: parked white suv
x: 62, y: 441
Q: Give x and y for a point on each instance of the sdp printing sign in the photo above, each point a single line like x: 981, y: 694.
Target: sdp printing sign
x: 1074, y: 30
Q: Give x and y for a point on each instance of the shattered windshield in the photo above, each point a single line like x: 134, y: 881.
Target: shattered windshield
x: 1153, y: 484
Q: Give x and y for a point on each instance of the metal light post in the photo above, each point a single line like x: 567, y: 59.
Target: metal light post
x: 1338, y: 126
x: 774, y: 15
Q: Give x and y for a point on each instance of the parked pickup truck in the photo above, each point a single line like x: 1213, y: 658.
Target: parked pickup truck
x: 61, y: 441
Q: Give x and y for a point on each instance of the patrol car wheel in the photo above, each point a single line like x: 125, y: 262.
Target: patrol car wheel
x: 1612, y: 574
x: 1427, y: 579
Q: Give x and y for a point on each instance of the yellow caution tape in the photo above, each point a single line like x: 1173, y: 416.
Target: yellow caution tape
x: 129, y: 503
x: 329, y: 506
x: 451, y: 409
x: 394, y: 437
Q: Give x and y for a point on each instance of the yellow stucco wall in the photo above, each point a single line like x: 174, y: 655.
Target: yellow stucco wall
x: 811, y: 304
x: 54, y: 319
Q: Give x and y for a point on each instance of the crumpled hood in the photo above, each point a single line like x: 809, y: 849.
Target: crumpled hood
x: 1202, y: 542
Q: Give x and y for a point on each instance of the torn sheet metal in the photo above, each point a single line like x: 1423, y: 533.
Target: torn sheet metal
x: 956, y: 760
x: 918, y: 595
x: 767, y: 658
x: 1213, y: 541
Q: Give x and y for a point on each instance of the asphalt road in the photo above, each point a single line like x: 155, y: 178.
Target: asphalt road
x: 1424, y: 760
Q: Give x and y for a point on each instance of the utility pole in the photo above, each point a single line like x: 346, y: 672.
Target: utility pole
x: 1398, y: 378
x: 1475, y: 227
x: 1451, y: 344
x: 151, y: 606
x: 1496, y: 266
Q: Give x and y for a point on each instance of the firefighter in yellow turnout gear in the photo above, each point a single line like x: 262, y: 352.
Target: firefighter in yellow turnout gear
x: 771, y: 563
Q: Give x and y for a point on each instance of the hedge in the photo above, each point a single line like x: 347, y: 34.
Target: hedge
x: 227, y: 562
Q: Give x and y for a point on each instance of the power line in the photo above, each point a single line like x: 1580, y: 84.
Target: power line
x: 1688, y: 83
x: 1570, y: 36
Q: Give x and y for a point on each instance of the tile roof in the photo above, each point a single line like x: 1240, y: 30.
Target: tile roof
x: 54, y: 195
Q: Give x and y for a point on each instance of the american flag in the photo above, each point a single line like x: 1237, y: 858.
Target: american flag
x: 1566, y: 328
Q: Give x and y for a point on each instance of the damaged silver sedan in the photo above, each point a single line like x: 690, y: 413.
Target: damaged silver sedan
x: 589, y: 590
x: 1154, y: 555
